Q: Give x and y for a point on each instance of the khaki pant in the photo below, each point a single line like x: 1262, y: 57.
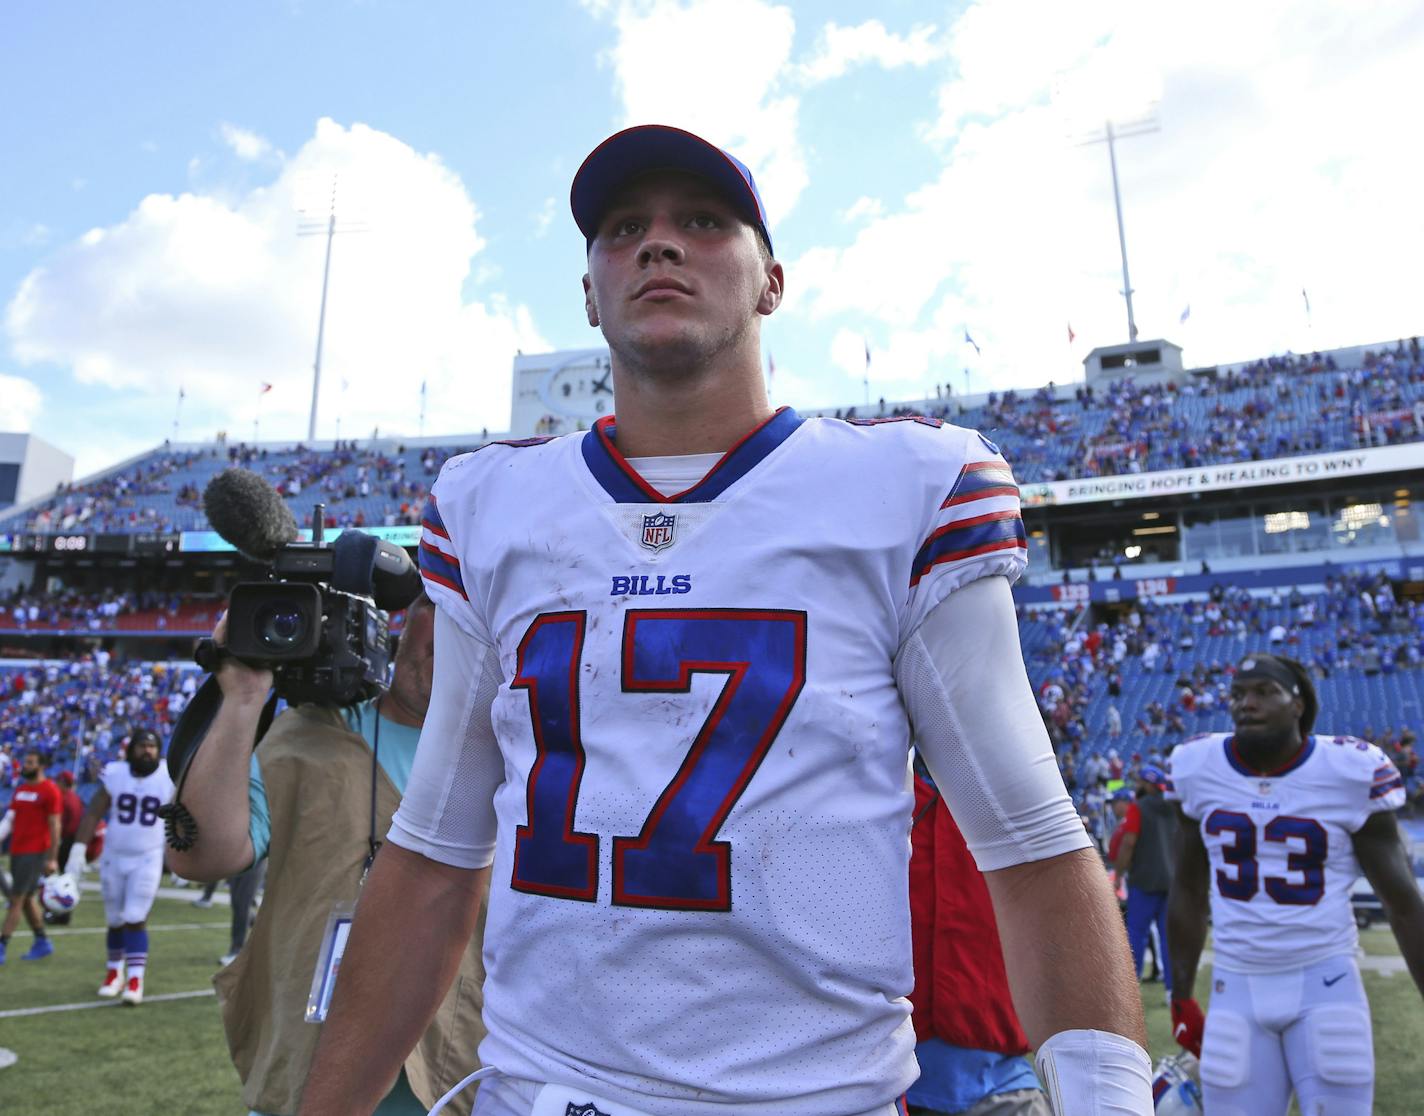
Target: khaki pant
x: 1019, y: 1102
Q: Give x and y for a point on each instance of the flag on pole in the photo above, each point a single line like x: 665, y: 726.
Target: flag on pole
x: 1186, y: 313
x: 1071, y: 335
x: 770, y: 366
x: 867, y: 354
x: 970, y: 341
x: 1307, y: 301
x: 180, y: 393
x: 264, y: 389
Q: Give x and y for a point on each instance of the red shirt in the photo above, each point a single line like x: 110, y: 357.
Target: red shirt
x: 961, y: 992
x: 34, y: 804
x: 73, y: 812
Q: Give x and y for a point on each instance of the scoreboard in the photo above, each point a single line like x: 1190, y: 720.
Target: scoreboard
x: 73, y: 544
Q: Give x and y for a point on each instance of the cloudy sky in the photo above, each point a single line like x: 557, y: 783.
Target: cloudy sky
x: 922, y: 163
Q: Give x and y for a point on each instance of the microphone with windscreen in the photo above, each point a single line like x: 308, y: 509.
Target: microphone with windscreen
x: 247, y: 512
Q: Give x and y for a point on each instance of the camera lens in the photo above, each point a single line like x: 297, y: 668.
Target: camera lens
x: 281, y: 626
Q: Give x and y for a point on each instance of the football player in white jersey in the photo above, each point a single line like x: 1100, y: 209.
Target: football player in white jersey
x: 132, y: 789
x: 1276, y: 826
x: 680, y: 659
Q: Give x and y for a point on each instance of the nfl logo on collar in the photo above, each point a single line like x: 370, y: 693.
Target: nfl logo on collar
x: 658, y: 530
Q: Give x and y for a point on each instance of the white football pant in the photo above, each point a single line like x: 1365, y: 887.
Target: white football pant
x: 1306, y: 1028
x: 129, y: 885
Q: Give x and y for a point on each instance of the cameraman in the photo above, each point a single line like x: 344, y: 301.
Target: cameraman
x: 305, y: 800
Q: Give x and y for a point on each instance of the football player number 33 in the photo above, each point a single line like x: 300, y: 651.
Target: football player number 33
x: 675, y: 862
x: 1306, y: 858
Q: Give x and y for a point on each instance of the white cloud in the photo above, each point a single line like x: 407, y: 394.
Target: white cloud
x: 841, y: 49
x: 863, y: 207
x: 220, y: 294
x: 1274, y: 169
x: 20, y: 402
x: 246, y: 144
x: 545, y: 217
x: 715, y: 67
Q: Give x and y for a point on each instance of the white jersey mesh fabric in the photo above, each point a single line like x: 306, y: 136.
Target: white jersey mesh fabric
x: 447, y: 812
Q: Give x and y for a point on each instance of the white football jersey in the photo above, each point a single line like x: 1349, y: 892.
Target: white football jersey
x: 699, y: 892
x: 134, y: 824
x: 1282, y: 864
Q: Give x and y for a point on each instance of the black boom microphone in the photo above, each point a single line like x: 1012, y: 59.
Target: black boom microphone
x: 246, y: 511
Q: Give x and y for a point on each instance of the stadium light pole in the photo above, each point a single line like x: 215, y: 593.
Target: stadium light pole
x: 1110, y: 135
x: 1121, y: 87
x: 329, y: 229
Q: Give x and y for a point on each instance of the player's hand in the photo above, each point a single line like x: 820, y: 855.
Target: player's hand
x: 238, y: 681
x: 1188, y: 1023
x: 51, y: 865
x: 75, y: 865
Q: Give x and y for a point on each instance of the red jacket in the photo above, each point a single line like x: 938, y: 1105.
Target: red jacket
x: 72, y: 807
x: 961, y: 990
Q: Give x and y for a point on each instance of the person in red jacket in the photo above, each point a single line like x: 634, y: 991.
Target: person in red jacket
x: 34, y: 851
x: 970, y: 1044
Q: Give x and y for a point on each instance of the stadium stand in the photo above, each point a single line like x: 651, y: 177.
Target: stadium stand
x: 78, y: 713
x: 380, y: 485
x: 1274, y: 407
x: 69, y: 612
x: 1123, y: 673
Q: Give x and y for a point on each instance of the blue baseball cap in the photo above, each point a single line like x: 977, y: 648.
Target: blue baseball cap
x: 1153, y: 774
x: 653, y: 147
x: 1122, y: 794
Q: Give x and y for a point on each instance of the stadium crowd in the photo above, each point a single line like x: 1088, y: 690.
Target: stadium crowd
x: 109, y: 610
x: 78, y: 714
x: 1278, y: 406
x: 378, y: 485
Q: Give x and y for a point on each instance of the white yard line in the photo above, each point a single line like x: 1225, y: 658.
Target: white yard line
x: 18, y: 1013
x: 220, y: 896
x: 69, y: 931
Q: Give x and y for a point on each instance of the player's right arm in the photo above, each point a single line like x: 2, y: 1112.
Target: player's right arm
x: 216, y: 788
x: 1188, y: 902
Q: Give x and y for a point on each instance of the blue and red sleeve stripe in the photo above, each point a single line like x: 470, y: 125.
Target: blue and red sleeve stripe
x: 436, y: 566
x: 981, y: 480
x: 968, y: 538
x: 431, y: 521
x: 440, y: 568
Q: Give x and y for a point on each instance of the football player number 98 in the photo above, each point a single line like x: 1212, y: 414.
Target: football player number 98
x: 675, y: 862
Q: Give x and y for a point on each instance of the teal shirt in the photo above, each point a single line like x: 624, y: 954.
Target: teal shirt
x: 396, y: 754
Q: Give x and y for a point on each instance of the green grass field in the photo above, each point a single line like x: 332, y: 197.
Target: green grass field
x: 170, y: 1058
